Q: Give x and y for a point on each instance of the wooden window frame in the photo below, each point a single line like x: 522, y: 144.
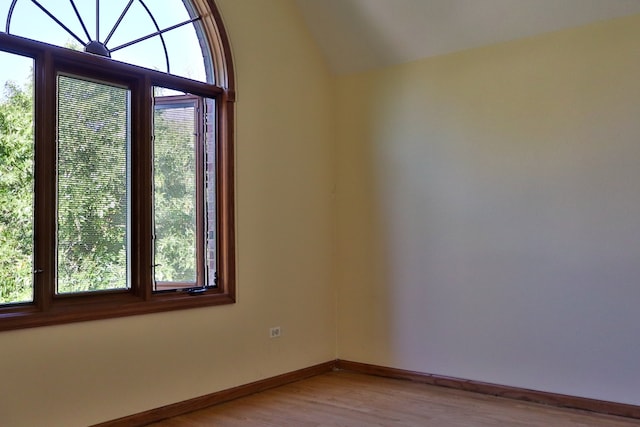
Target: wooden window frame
x: 200, y: 141
x: 49, y: 308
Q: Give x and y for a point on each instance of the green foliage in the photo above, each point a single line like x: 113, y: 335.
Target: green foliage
x: 92, y: 211
x: 92, y: 185
x: 16, y: 194
x: 174, y: 196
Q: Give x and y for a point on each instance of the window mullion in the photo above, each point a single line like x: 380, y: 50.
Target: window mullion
x: 45, y: 181
x: 142, y: 190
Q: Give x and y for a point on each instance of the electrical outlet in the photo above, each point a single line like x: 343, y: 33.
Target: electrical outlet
x: 275, y: 332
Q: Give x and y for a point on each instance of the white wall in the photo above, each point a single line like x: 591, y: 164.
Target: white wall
x: 489, y: 214
x: 81, y: 374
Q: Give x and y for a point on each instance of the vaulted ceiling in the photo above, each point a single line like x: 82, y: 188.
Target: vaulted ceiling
x: 358, y: 35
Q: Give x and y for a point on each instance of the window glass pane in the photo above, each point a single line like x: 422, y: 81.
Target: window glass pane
x: 185, y: 54
x: 148, y: 53
x: 29, y: 21
x: 176, y: 201
x: 16, y: 179
x: 184, y: 190
x: 93, y: 185
x: 127, y: 30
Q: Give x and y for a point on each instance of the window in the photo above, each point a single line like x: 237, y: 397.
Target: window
x: 116, y: 160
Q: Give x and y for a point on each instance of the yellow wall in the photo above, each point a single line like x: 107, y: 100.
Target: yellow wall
x: 489, y: 213
x: 80, y: 374
x: 484, y: 226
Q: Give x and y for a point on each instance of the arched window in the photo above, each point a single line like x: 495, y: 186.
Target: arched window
x: 116, y: 159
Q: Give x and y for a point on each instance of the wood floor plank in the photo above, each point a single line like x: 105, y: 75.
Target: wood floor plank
x: 349, y: 399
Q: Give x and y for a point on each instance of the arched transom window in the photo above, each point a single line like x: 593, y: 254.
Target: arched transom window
x: 162, y: 35
x: 116, y: 159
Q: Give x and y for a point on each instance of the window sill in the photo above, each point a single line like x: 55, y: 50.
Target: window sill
x: 86, y: 308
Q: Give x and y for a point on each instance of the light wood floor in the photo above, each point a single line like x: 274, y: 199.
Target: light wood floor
x: 350, y: 399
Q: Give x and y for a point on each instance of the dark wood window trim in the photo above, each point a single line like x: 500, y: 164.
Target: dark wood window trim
x: 49, y: 308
